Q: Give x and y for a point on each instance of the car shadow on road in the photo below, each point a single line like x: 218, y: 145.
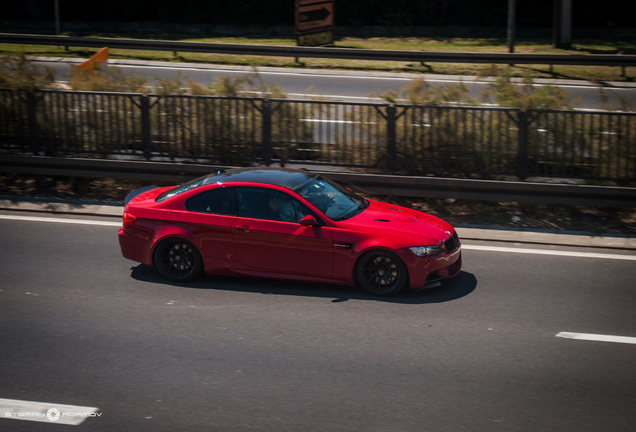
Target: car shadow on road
x: 453, y: 289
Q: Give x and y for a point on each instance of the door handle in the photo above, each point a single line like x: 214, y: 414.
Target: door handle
x: 243, y: 228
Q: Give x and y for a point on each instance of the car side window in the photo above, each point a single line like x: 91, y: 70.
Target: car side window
x: 221, y: 201
x: 269, y: 204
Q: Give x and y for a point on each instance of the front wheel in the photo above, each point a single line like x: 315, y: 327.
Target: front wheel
x: 178, y: 260
x: 381, y: 273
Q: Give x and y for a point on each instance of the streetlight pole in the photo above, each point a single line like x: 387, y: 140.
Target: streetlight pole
x: 512, y: 6
x: 56, y: 6
x: 562, y: 33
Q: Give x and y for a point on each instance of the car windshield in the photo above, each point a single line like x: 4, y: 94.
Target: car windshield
x: 336, y: 202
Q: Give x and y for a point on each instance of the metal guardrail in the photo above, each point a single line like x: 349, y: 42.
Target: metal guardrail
x: 325, y: 52
x: 410, y: 186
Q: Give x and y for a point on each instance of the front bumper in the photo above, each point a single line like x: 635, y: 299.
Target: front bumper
x: 428, y: 272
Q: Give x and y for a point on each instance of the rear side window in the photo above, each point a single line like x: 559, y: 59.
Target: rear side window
x: 221, y: 201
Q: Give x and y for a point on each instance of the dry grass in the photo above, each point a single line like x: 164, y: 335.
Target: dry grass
x: 491, y: 45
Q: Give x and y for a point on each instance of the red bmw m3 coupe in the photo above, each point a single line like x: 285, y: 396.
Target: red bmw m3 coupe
x: 286, y: 224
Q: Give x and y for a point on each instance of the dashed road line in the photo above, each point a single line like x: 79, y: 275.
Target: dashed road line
x: 573, y: 254
x: 45, y: 412
x: 60, y: 220
x: 597, y: 337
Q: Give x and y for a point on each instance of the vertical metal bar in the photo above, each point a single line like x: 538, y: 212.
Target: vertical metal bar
x: 617, y: 145
x: 266, y: 108
x: 118, y: 122
x: 476, y: 164
x: 85, y: 122
x: 48, y: 122
x: 579, y: 143
x: 178, y: 126
x: 81, y: 120
x: 459, y: 148
x: 391, y: 136
x: 184, y: 128
x: 181, y: 131
x: 348, y: 153
x: 94, y: 123
x: 205, y: 128
x: 569, y: 125
x: 577, y: 153
x: 598, y: 151
x: 71, y: 111
x: 627, y: 157
x: 257, y: 124
x: 426, y: 135
x: 245, y: 119
x: 493, y: 116
x: 235, y: 122
x: 522, y: 151
x: 146, y: 144
x: 214, y: 125
x: 34, y: 139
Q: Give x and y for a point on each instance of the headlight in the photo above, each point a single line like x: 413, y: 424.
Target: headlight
x: 422, y: 251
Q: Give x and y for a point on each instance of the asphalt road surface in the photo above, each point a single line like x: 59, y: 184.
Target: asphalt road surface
x: 350, y: 86
x: 80, y: 325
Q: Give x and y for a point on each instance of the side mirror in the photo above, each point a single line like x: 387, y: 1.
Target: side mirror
x: 308, y: 220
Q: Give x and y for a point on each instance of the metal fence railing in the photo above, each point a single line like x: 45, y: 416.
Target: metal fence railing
x: 469, y: 142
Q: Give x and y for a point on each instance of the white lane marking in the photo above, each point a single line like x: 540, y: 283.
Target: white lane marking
x: 394, y: 77
x: 389, y: 77
x: 465, y: 247
x: 45, y: 412
x: 269, y: 72
x: 60, y: 220
x: 549, y: 252
x: 330, y: 97
x: 597, y: 337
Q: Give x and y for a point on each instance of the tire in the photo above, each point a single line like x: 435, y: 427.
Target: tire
x: 381, y: 273
x: 177, y: 260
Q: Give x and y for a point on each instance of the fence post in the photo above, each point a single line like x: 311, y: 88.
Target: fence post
x: 266, y: 112
x: 34, y: 139
x: 391, y: 137
x: 522, y: 150
x: 146, y: 139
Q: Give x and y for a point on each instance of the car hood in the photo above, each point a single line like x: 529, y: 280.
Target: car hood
x: 415, y: 226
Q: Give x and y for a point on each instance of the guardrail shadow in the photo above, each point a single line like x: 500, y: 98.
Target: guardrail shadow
x: 460, y: 286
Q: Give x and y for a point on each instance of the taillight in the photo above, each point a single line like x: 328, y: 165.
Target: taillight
x: 129, y: 219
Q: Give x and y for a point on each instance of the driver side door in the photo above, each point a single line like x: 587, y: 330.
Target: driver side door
x: 268, y: 236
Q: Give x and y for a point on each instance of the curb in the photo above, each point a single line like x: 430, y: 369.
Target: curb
x: 115, y: 209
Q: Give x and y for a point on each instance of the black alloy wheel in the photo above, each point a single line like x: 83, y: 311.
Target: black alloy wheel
x: 381, y: 273
x: 178, y: 260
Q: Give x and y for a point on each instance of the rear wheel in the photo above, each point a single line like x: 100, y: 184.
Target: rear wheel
x: 178, y: 260
x: 381, y: 273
